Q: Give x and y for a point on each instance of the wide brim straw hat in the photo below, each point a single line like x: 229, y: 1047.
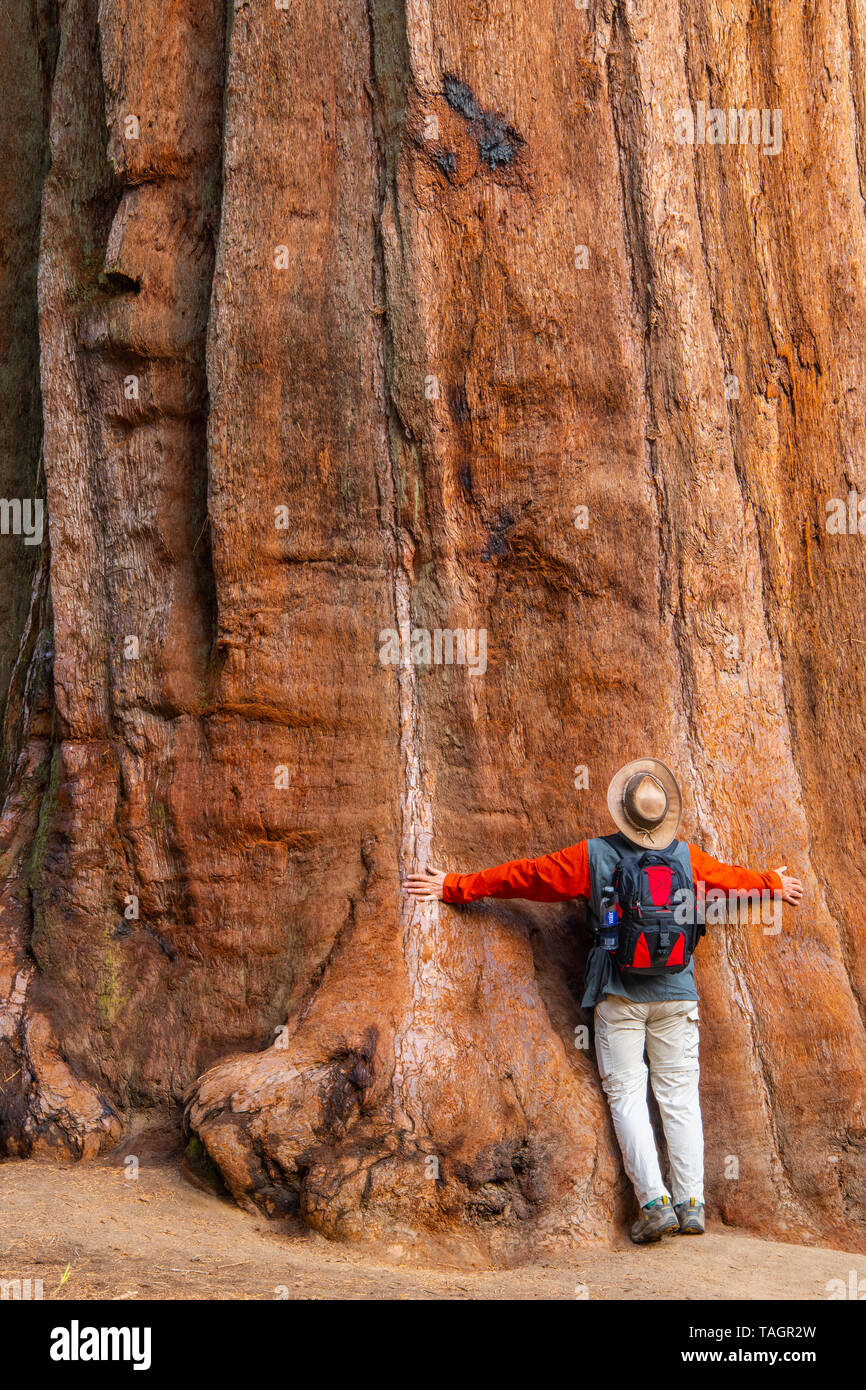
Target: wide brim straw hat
x: 646, y: 803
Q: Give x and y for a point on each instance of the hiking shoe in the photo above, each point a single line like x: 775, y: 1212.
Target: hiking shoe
x: 656, y: 1219
x: 690, y: 1215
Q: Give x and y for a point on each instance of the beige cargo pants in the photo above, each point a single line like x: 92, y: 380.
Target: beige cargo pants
x: 667, y: 1032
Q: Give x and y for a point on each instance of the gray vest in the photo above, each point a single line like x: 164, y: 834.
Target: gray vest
x: 602, y: 975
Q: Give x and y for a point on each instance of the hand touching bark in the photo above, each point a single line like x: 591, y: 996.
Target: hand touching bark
x: 792, y: 888
x: 427, y: 886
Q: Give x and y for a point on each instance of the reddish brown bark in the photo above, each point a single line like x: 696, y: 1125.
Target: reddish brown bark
x: 401, y: 288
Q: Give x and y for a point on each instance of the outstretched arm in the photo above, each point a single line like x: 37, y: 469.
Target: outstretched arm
x: 549, y: 879
x: 713, y: 874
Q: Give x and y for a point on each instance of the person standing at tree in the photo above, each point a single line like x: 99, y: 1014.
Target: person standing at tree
x: 641, y: 885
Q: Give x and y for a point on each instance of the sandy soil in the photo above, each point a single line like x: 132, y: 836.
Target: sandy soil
x: 159, y: 1238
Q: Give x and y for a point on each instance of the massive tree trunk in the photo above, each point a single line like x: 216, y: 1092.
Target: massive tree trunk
x: 412, y: 317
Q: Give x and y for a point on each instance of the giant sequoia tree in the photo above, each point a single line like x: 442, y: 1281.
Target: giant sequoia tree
x: 327, y: 322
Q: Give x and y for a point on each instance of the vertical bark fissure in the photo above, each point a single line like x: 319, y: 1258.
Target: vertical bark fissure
x: 34, y: 650
x: 856, y: 81
x: 32, y: 36
x: 641, y: 261
x: 209, y: 590
x: 416, y: 812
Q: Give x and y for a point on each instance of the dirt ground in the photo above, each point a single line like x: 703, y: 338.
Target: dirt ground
x: 157, y: 1237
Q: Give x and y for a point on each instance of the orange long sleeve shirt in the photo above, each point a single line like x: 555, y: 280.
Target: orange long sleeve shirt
x: 565, y: 874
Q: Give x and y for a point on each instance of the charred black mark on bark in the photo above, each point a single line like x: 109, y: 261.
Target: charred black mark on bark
x: 461, y: 98
x: 115, y: 282
x: 125, y: 929
x: 497, y: 541
x: 465, y: 476
x: 505, y: 1180
x: 497, y: 140
x: 446, y: 161
x: 351, y: 1075
x: 458, y: 404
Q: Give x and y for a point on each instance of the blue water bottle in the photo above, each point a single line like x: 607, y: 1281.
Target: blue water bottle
x: 608, y: 937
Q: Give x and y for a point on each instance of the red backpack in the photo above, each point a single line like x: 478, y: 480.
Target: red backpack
x: 656, y: 902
